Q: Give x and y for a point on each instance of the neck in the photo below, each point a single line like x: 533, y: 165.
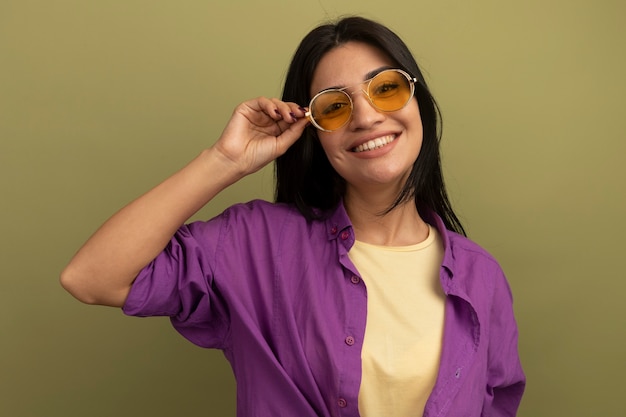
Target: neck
x: 402, y: 226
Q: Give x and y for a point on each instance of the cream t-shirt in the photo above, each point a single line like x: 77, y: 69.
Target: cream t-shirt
x: 404, y: 330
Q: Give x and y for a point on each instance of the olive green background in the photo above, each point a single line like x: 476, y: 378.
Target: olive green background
x: 100, y: 100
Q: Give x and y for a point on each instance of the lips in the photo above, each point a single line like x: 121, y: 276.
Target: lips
x: 374, y: 143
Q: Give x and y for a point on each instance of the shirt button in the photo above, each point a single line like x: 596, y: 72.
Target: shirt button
x: 355, y: 279
x: 341, y: 402
x: 345, y: 235
x: 333, y: 230
x: 349, y: 340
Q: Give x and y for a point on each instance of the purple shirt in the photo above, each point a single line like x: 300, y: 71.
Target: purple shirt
x: 280, y: 296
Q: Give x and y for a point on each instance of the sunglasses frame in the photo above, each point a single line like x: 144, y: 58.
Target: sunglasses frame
x: 410, y: 79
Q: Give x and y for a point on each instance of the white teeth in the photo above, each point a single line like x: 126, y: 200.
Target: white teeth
x: 375, y: 143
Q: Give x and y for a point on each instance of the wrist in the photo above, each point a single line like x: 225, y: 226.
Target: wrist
x: 219, y: 167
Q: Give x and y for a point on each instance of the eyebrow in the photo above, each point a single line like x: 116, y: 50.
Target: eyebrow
x: 368, y: 76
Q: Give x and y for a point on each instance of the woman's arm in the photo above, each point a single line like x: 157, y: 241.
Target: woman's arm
x: 103, y: 270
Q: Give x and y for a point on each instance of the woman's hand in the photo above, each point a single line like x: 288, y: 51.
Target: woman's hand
x: 259, y: 131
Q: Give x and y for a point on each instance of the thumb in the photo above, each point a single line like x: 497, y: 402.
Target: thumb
x: 291, y: 134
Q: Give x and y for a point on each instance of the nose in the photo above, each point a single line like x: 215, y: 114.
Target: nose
x: 364, y: 114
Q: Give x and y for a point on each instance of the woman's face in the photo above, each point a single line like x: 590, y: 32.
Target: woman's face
x: 397, y: 135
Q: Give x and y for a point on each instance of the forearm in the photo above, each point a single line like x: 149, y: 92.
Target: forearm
x: 103, y: 270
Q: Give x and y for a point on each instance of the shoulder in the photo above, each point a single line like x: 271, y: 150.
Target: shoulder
x: 257, y: 217
x: 260, y: 209
x: 459, y: 251
x: 474, y: 270
x: 466, y: 250
x: 261, y: 213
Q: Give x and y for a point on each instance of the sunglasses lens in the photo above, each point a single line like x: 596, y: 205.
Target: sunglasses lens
x: 331, y: 109
x: 390, y: 90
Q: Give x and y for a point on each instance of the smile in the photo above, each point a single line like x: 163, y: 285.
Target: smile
x: 375, y: 143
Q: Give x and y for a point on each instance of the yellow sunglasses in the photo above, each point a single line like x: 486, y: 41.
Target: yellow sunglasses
x: 389, y: 90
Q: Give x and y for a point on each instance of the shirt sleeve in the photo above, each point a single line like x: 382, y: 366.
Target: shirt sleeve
x: 179, y: 283
x: 505, y: 380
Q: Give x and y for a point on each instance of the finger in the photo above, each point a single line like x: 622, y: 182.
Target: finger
x: 290, y: 112
x: 283, y: 115
x: 271, y: 107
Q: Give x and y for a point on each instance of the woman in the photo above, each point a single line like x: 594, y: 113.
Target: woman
x: 353, y: 294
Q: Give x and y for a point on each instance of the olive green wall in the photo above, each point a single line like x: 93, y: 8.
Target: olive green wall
x: 99, y: 100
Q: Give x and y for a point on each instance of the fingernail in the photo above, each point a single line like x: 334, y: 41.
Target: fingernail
x: 278, y: 113
x: 293, y: 116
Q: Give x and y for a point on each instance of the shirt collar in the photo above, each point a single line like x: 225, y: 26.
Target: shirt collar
x: 337, y: 221
x: 448, y: 261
